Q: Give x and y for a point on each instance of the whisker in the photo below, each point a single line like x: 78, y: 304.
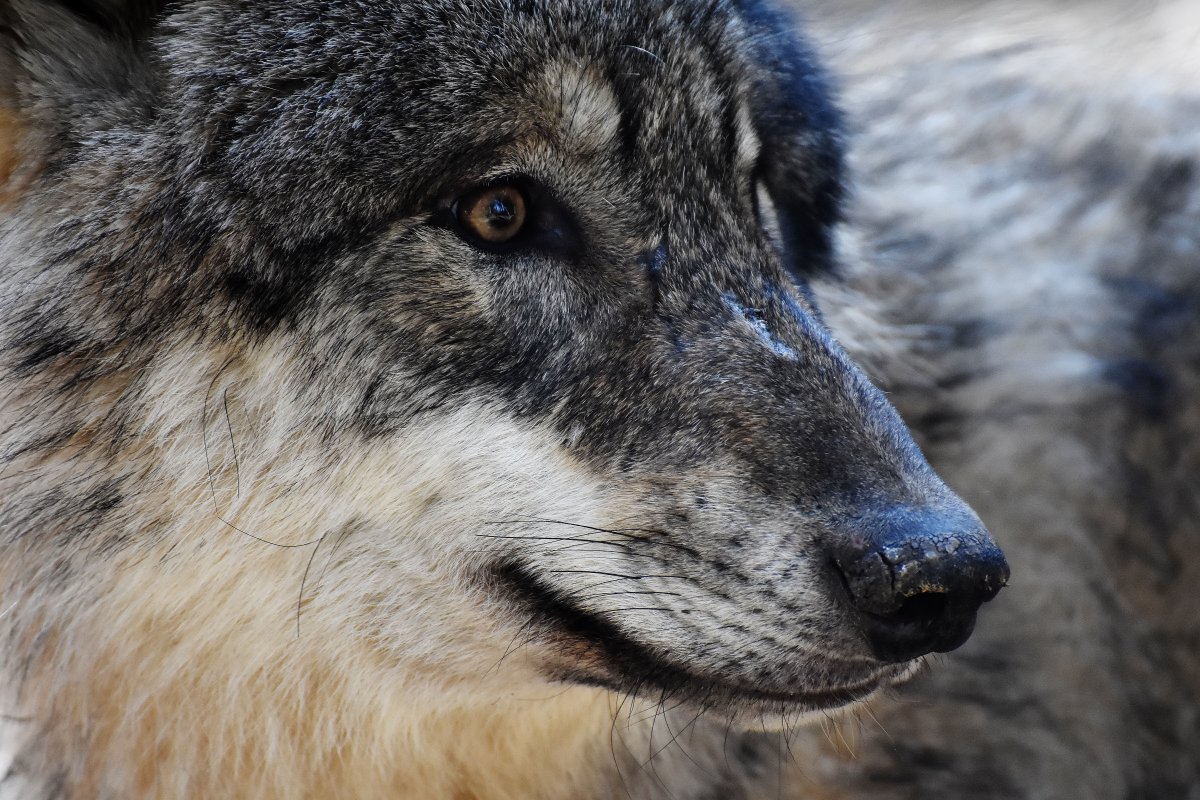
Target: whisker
x: 639, y: 591
x: 345, y: 534
x: 237, y: 467
x: 616, y: 575
x: 866, y: 708
x: 212, y: 484
x: 628, y: 533
x: 675, y: 738
x: 304, y: 580
x: 512, y: 645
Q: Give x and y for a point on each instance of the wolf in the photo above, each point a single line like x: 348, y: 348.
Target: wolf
x: 423, y: 399
x: 401, y: 396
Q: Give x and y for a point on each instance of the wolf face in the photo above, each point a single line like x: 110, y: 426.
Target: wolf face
x: 500, y: 309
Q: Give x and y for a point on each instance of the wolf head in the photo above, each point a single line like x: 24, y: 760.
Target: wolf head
x: 504, y: 307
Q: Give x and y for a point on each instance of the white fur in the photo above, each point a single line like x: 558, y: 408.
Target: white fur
x: 584, y: 104
x: 197, y: 626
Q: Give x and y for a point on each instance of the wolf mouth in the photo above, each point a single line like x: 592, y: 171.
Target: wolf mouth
x: 606, y: 656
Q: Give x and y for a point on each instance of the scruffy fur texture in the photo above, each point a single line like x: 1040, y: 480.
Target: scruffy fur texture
x: 303, y: 495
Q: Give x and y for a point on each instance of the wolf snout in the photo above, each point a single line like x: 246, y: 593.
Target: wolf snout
x: 916, y: 579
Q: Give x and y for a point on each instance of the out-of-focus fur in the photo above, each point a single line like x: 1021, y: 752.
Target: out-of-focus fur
x: 1028, y: 208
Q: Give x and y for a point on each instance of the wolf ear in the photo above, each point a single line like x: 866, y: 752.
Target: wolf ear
x: 120, y: 18
x: 72, y: 49
x: 124, y: 19
x: 801, y: 127
x: 66, y: 66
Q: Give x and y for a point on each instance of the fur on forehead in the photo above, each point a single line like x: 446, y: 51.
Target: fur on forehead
x: 370, y: 101
x: 584, y: 103
x: 412, y: 58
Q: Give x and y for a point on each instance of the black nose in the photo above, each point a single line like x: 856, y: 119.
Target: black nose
x: 917, y: 577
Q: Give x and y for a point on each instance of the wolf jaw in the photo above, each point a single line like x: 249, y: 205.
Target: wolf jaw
x: 299, y: 460
x: 608, y: 657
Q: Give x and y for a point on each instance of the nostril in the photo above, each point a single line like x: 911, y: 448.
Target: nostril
x: 925, y: 623
x: 919, y: 609
x: 870, y: 582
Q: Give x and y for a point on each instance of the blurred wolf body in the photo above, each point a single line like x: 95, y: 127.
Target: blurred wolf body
x: 1018, y: 266
x: 1027, y: 198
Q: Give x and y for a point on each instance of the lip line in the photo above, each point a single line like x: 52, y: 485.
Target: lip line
x: 706, y: 690
x: 629, y: 663
x: 851, y: 692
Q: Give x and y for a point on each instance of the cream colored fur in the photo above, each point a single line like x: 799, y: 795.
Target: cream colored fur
x: 204, y: 633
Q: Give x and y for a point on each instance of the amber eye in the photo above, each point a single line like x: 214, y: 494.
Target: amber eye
x: 495, y: 215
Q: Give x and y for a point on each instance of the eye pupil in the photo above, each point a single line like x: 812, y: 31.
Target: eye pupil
x: 501, y: 214
x: 494, y: 215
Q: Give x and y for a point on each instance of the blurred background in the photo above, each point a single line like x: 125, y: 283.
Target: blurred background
x: 1024, y: 229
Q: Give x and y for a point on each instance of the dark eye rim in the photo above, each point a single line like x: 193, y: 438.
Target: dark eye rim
x: 549, y: 227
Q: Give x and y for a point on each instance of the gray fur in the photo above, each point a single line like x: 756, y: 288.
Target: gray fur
x: 262, y: 178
